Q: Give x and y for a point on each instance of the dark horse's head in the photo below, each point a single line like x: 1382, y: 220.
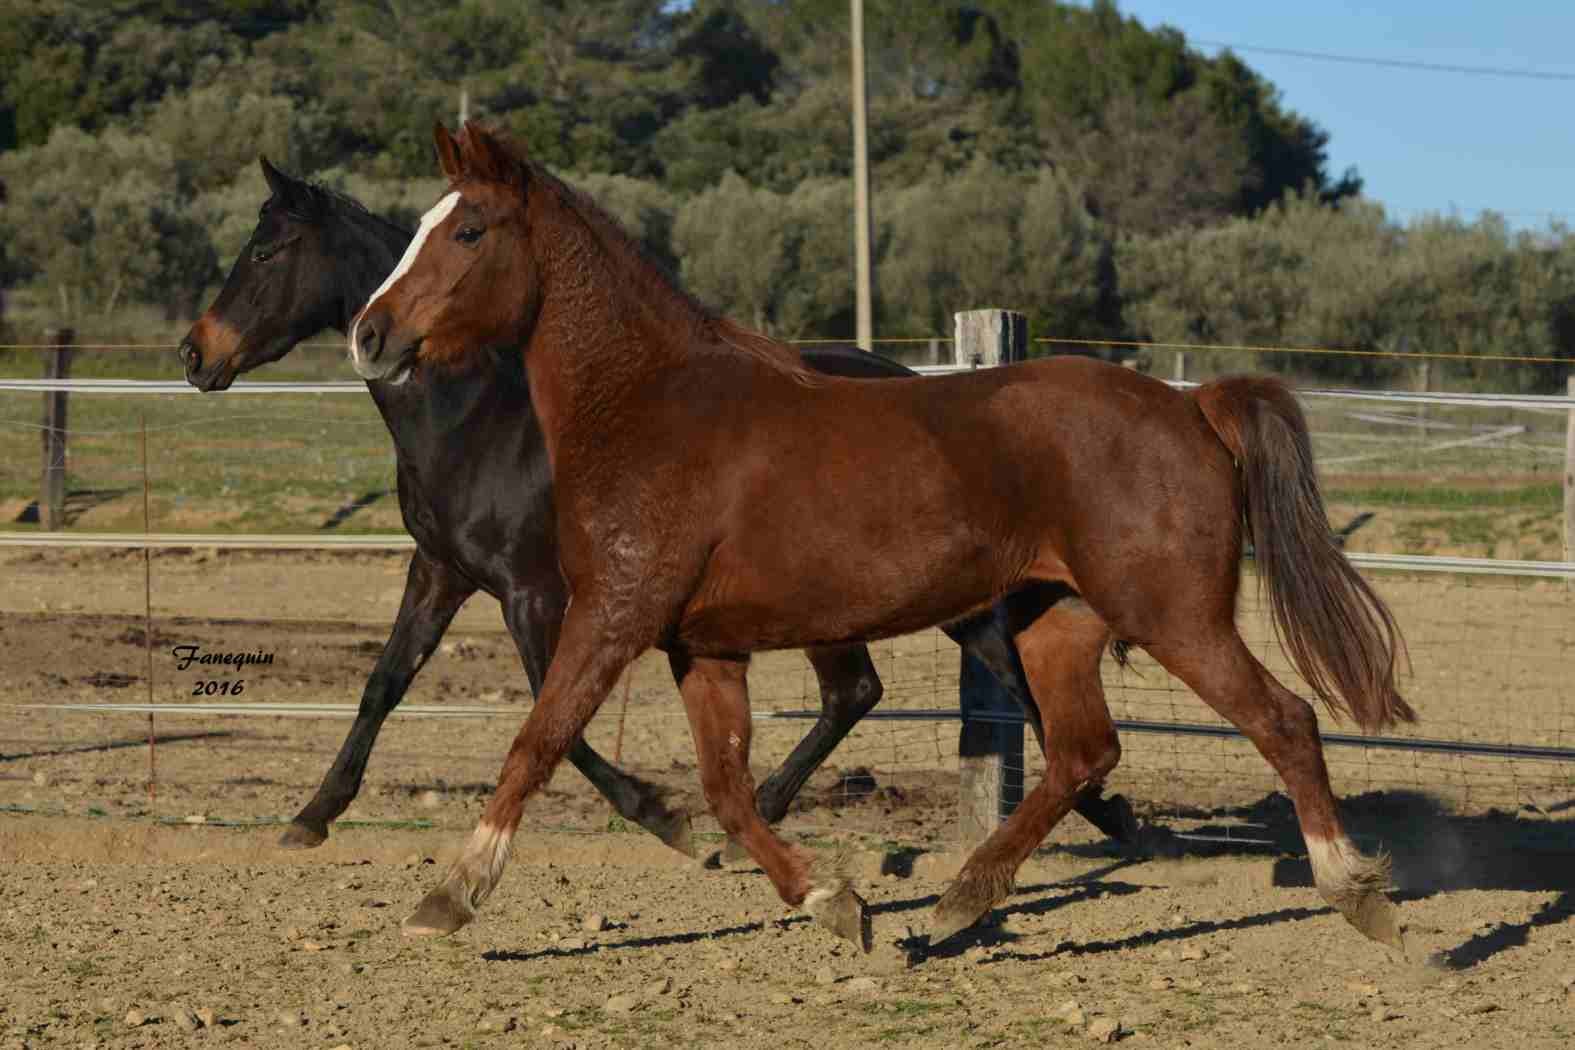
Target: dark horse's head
x: 290, y: 282
x: 442, y: 302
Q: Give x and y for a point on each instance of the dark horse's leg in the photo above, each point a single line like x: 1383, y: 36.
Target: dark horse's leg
x: 1061, y: 651
x: 532, y: 618
x: 716, y: 699
x: 985, y: 637
x: 850, y: 688
x: 433, y: 594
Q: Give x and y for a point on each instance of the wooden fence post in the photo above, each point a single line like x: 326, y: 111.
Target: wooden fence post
x: 52, y: 496
x: 1424, y: 384
x: 1569, y: 475
x: 989, y: 752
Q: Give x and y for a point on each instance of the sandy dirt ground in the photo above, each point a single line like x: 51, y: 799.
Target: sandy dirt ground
x: 176, y: 910
x: 161, y: 937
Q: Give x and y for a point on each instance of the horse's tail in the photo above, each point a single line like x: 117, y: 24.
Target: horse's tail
x: 1339, y: 634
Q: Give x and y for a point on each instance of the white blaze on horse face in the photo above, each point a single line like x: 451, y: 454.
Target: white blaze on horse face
x: 429, y: 222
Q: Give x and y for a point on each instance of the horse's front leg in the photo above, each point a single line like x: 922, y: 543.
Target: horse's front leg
x: 592, y: 652
x: 533, y: 614
x: 433, y: 594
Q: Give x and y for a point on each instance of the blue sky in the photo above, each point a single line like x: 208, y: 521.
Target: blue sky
x: 1422, y: 141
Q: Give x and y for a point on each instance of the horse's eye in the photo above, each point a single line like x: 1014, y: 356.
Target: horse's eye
x: 262, y: 255
x: 468, y: 234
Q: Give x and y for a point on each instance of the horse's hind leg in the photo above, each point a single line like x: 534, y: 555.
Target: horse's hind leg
x: 1218, y: 666
x: 716, y: 699
x: 985, y: 637
x: 532, y: 615
x: 433, y: 594
x: 849, y: 690
x: 1060, y: 651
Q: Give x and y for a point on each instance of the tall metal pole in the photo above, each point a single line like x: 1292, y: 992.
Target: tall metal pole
x: 861, y: 186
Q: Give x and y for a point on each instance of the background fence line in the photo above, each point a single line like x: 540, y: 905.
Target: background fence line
x: 127, y: 387
x: 1419, y: 356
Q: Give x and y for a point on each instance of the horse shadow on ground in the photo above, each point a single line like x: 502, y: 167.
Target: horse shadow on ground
x: 77, y: 503
x: 114, y: 745
x: 1433, y: 851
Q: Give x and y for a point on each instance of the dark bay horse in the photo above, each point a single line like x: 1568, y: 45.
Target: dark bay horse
x: 487, y: 522
x: 715, y: 498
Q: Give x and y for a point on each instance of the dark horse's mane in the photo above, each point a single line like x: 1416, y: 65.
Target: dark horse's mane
x: 313, y: 201
x: 650, y: 276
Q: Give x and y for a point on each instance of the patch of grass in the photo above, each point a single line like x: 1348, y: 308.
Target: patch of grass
x: 910, y: 1007
x: 387, y: 825
x: 1547, y: 495
x: 896, y: 1032
x: 1459, y: 529
x: 83, y: 968
x: 618, y: 825
x: 813, y: 841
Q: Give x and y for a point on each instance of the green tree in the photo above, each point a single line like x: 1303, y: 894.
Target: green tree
x: 97, y: 222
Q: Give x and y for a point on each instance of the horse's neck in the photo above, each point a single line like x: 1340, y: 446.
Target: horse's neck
x: 426, y: 414
x: 606, y: 323
x: 366, y: 251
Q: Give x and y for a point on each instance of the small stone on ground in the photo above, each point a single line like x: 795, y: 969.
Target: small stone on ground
x: 1104, y: 1029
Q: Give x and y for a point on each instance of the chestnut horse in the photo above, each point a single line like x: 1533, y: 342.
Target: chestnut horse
x: 702, y: 510
x: 488, y: 524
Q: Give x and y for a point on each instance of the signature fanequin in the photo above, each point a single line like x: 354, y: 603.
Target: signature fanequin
x: 188, y: 655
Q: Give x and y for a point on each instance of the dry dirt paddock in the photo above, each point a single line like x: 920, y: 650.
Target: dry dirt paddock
x: 176, y: 911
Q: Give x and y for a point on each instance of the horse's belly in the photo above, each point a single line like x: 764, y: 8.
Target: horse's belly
x: 790, y: 597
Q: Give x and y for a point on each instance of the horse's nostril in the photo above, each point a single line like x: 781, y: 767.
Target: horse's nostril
x: 191, y: 356
x: 371, y: 342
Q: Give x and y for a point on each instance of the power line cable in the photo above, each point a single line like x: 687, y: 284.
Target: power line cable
x: 1394, y: 63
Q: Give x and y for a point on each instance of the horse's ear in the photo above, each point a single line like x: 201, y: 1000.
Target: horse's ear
x: 447, y: 151
x: 493, y: 159
x: 294, y: 195
x: 278, y: 182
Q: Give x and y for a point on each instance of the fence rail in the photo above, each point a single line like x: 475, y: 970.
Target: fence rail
x: 124, y: 387
x: 396, y: 542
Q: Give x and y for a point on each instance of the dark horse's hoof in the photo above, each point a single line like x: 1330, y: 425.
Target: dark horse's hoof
x: 299, y: 836
x: 677, y: 833
x: 1129, y: 832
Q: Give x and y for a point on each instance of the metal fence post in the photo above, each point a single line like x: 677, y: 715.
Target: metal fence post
x: 52, y: 495
x: 989, y: 752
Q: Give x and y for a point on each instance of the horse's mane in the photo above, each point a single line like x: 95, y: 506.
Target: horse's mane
x: 712, y: 329
x: 313, y: 201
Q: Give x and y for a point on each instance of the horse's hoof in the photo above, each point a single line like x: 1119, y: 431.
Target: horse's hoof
x: 678, y: 834
x: 1131, y: 832
x: 948, y: 922
x: 965, y: 903
x: 439, y: 914
x: 731, y: 856
x: 1376, y: 916
x: 842, y: 912
x: 734, y: 853
x: 1358, y: 886
x: 300, y: 836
